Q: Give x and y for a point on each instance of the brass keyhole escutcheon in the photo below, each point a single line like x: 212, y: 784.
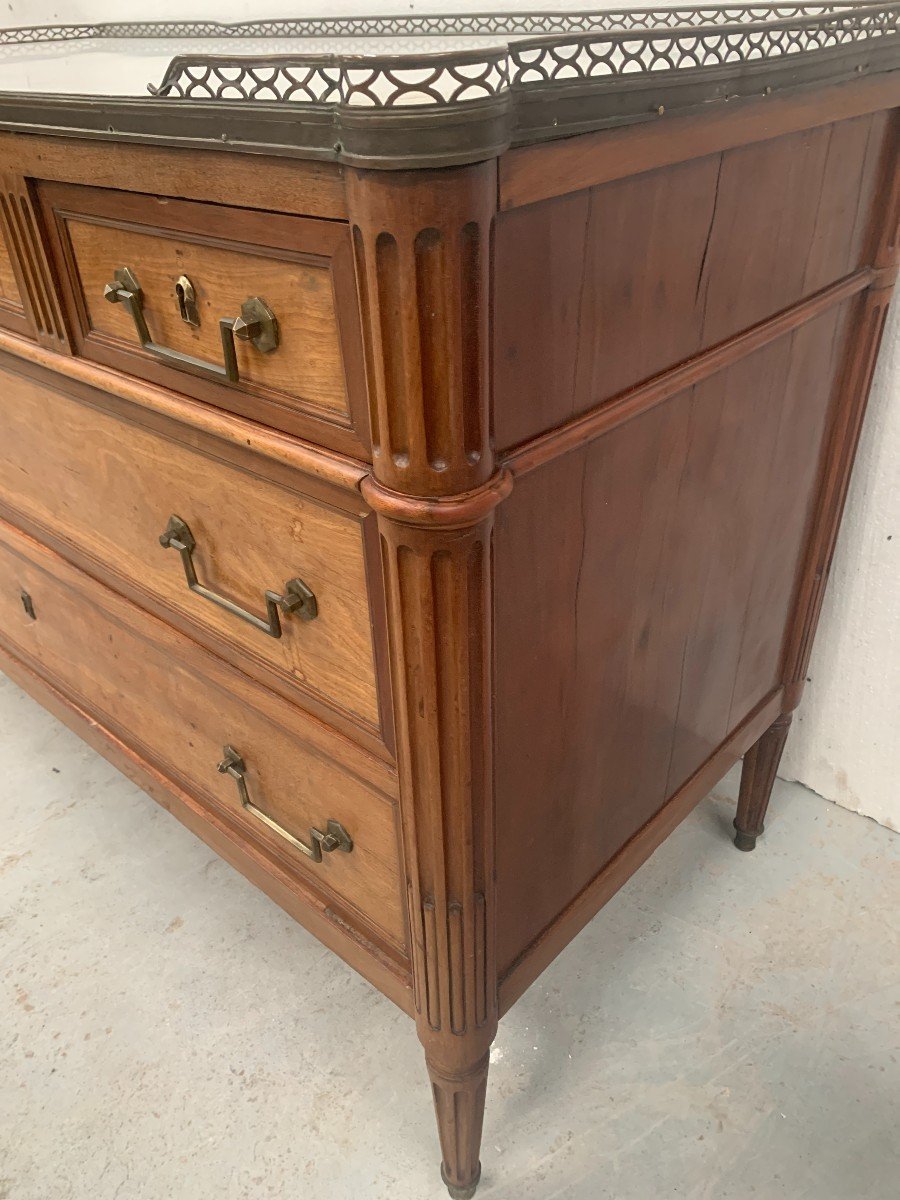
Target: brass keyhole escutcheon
x: 256, y: 324
x: 187, y: 301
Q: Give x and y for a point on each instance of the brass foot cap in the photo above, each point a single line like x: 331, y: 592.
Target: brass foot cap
x: 461, y: 1193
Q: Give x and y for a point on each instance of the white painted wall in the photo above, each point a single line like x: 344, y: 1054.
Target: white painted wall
x: 845, y: 743
x: 54, y: 12
x: 845, y: 739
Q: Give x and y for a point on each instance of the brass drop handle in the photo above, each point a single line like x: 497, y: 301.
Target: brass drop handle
x: 335, y: 836
x: 296, y: 598
x: 257, y: 324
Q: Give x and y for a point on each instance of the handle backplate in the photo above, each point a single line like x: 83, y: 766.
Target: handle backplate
x: 256, y: 324
x: 333, y: 837
x: 297, y: 597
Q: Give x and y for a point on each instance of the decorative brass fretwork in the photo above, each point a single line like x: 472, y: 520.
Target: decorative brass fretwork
x: 567, y: 48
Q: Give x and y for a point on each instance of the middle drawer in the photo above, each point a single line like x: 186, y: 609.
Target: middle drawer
x: 110, y: 488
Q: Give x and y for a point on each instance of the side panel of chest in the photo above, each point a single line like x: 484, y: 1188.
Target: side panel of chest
x: 650, y: 562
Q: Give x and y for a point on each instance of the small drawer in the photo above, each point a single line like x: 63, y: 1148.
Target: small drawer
x: 282, y: 779
x: 249, y: 311
x: 103, y: 482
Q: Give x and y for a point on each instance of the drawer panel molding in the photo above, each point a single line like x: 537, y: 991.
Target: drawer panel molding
x: 251, y: 312
x: 178, y: 705
x: 247, y: 527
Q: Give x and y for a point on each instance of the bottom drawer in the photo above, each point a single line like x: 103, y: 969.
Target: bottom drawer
x: 217, y: 734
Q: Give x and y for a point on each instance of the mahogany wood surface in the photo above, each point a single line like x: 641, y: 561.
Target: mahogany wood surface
x: 846, y: 425
x: 723, y: 241
x: 178, y: 706
x: 9, y: 289
x: 561, y: 440
x: 311, y: 384
x: 534, y: 173
x: 12, y: 311
x: 519, y: 976
x: 322, y: 469
x: 710, y: 491
x: 423, y: 257
x: 307, y: 188
x: 20, y: 229
x: 116, y: 483
x: 682, y: 528
x: 312, y: 910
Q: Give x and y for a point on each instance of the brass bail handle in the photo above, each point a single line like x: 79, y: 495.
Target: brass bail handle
x: 297, y: 597
x: 256, y: 324
x: 333, y: 837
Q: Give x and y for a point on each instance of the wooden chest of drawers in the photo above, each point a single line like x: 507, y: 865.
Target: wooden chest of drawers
x: 430, y: 519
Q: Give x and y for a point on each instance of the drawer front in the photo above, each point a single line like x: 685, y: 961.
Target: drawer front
x: 178, y: 707
x: 107, y: 487
x: 197, y: 265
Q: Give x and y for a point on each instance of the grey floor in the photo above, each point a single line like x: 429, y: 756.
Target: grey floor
x: 726, y: 1029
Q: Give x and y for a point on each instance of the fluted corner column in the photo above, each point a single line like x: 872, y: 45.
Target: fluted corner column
x: 423, y: 255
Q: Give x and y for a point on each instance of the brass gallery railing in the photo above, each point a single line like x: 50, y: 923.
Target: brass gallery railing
x: 522, y: 77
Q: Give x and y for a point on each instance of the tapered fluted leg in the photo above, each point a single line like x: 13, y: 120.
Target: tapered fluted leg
x: 757, y: 780
x: 422, y: 243
x: 459, y: 1106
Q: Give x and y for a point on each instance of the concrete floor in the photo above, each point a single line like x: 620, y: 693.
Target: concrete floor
x: 726, y: 1029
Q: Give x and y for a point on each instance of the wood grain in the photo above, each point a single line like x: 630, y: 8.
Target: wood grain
x: 321, y: 469
x: 534, y: 173
x: 312, y: 383
x: 633, y: 402
x: 422, y: 246
x: 107, y: 487
x: 271, y: 184
x: 659, y: 565
x: 612, y: 429
x: 425, y: 298
x: 23, y: 234
x: 846, y: 420
x: 384, y: 968
x: 726, y: 240
x: 554, y: 938
x: 177, y: 706
x: 9, y: 289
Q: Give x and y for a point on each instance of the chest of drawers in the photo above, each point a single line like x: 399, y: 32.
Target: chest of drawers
x: 429, y: 502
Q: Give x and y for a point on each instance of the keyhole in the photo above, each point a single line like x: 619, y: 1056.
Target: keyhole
x: 187, y: 301
x: 28, y: 605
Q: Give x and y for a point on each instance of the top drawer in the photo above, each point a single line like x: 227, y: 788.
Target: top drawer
x: 196, y: 267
